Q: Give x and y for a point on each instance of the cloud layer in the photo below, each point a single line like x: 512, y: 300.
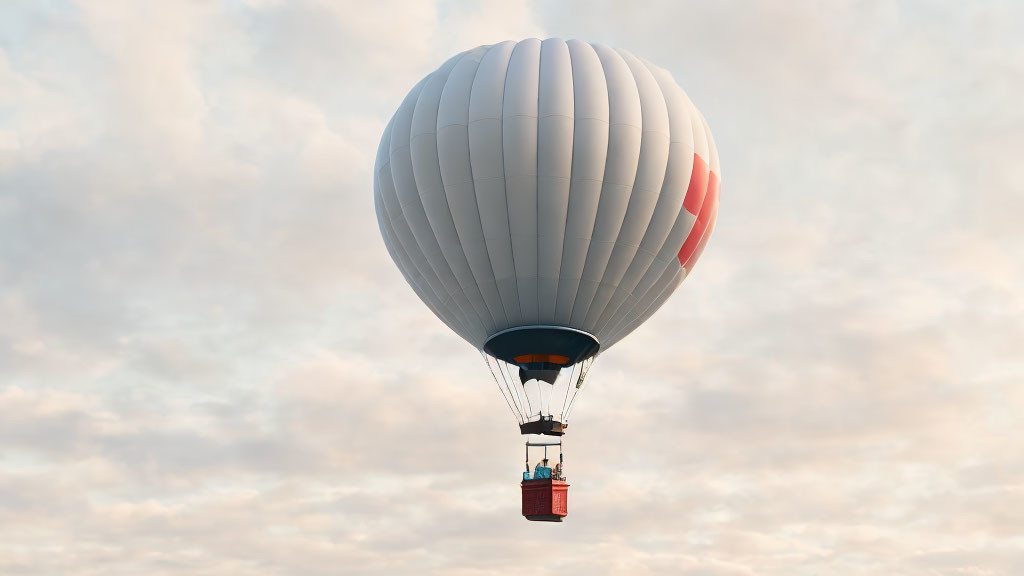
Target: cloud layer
x: 208, y: 364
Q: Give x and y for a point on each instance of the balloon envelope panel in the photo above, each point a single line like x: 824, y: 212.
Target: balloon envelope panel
x: 546, y: 183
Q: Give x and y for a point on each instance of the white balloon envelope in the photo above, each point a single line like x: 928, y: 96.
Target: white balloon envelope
x: 543, y: 199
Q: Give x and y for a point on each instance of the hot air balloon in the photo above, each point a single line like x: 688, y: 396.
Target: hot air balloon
x: 544, y: 199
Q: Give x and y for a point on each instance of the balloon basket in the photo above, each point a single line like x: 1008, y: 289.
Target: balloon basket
x: 545, y: 499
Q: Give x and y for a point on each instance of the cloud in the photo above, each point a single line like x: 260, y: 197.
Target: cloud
x: 208, y: 365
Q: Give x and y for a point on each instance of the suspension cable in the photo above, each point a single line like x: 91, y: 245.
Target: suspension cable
x: 529, y: 403
x: 508, y: 382
x: 577, y: 389
x: 526, y: 394
x: 513, y: 389
x: 493, y: 375
x: 540, y: 384
x: 568, y: 386
x: 580, y: 383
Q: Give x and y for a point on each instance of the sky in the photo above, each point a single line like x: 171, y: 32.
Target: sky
x: 210, y: 366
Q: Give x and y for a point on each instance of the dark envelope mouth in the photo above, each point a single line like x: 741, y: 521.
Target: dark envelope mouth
x: 542, y: 349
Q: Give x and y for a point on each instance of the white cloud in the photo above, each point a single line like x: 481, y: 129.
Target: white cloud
x: 209, y: 366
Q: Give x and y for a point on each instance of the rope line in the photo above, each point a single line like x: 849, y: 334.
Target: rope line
x: 503, y: 395
x: 568, y: 385
x: 508, y: 382
x: 580, y: 383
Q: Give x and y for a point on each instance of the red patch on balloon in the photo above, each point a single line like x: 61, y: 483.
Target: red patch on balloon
x: 701, y: 199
